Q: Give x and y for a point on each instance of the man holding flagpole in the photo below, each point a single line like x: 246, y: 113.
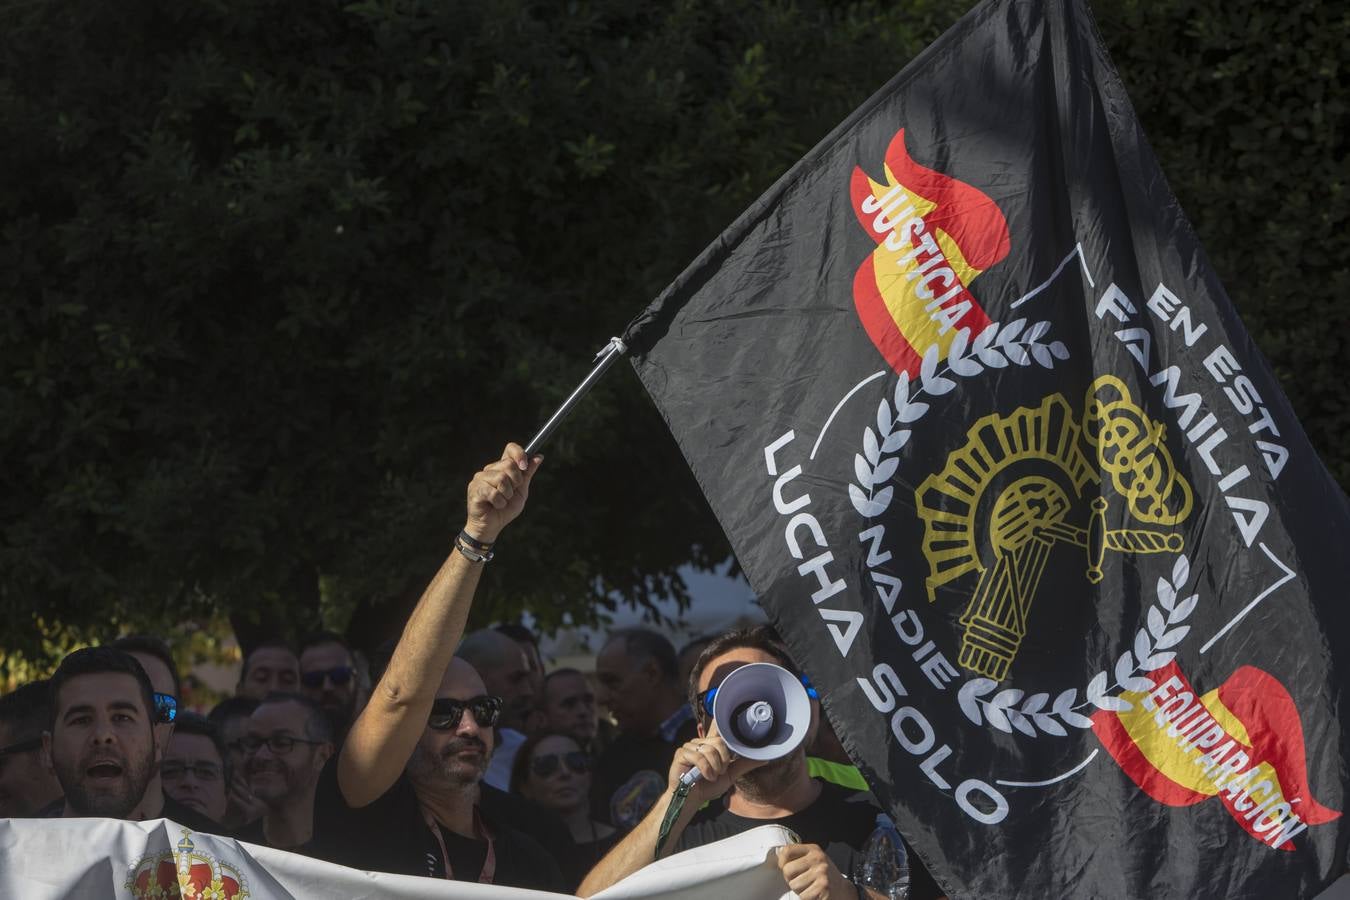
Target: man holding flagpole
x: 402, y: 794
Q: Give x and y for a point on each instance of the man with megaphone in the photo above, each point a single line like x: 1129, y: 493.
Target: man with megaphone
x: 756, y: 715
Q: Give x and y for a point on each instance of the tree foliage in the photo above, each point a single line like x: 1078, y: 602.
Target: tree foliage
x: 276, y: 278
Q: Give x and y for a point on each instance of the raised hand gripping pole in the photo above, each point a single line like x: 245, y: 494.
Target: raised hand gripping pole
x: 603, y: 360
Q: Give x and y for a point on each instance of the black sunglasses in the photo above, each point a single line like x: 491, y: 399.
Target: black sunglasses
x: 339, y: 675
x: 166, y: 708
x: 545, y: 765
x: 447, y: 711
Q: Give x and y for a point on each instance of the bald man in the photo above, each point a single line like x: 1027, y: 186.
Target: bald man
x: 505, y: 669
x: 403, y: 793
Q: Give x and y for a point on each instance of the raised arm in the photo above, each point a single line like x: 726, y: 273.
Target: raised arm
x: 384, y: 735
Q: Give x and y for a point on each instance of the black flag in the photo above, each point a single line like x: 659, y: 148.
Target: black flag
x: 1018, y: 489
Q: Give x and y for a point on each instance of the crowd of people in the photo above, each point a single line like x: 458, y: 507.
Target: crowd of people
x: 444, y: 755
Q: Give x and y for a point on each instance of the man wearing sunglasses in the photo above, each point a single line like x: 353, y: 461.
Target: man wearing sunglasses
x: 26, y: 786
x: 328, y: 677
x: 403, y: 794
x: 101, y: 740
x: 741, y: 794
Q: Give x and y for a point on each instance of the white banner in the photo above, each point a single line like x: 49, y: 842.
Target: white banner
x: 99, y: 859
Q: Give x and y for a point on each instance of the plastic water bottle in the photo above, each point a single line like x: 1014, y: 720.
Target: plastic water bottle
x: 884, y: 865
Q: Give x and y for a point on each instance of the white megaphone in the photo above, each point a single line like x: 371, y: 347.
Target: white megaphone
x: 762, y: 712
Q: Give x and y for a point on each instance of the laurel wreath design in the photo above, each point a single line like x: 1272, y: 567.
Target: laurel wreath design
x: 994, y: 347
x: 1011, y: 709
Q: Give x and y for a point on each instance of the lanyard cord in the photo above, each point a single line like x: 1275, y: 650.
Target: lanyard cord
x: 672, y: 813
x: 481, y: 831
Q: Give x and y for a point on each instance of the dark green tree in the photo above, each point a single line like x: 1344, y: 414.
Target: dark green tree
x: 276, y: 278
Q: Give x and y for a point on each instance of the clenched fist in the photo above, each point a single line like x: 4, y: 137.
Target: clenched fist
x: 497, y: 494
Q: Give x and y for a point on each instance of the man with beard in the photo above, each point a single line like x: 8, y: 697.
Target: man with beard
x: 741, y: 794
x: 26, y: 786
x: 328, y: 677
x: 505, y: 668
x: 101, y: 742
x: 289, y: 739
x: 402, y: 794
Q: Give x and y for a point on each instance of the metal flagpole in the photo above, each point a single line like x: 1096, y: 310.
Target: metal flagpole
x: 603, y: 360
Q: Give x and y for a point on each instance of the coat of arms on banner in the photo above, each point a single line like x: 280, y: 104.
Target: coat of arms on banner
x: 186, y: 872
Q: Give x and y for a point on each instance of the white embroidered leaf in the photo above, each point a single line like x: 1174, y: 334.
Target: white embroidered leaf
x: 1158, y: 660
x: 1076, y: 719
x: 1041, y: 353
x: 986, y: 337
x: 938, y: 386
x: 1049, y: 725
x: 902, y: 391
x: 966, y: 366
x: 1034, y: 703
x: 930, y: 362
x: 1183, y: 609
x: 895, y: 440
x: 870, y: 446
x: 1167, y: 595
x: 998, y: 718
x: 1156, y: 624
x: 1018, y: 354
x: 911, y: 412
x: 1097, y: 687
x: 1020, y: 722
x: 869, y: 507
x: 1060, y: 351
x: 1142, y: 648
x: 885, y: 470
x: 1173, y: 637
x: 1007, y: 698
x: 862, y: 471
x: 1114, y: 704
x: 1181, y: 571
x: 992, y: 358
x: 958, y: 347
x: 1124, y: 667
x: 884, y: 419
x: 970, y: 693
x: 1035, y: 332
x: 1010, y: 332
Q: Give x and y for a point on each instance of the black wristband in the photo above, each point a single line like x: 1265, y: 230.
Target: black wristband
x: 474, y: 543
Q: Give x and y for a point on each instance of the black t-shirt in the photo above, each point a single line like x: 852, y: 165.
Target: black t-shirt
x: 838, y: 821
x: 390, y: 835
x: 514, y: 811
x: 629, y: 778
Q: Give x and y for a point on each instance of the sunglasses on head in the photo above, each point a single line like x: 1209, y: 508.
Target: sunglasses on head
x: 446, y: 712
x: 166, y: 708
x: 546, y: 764
x: 706, y: 698
x: 339, y: 675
